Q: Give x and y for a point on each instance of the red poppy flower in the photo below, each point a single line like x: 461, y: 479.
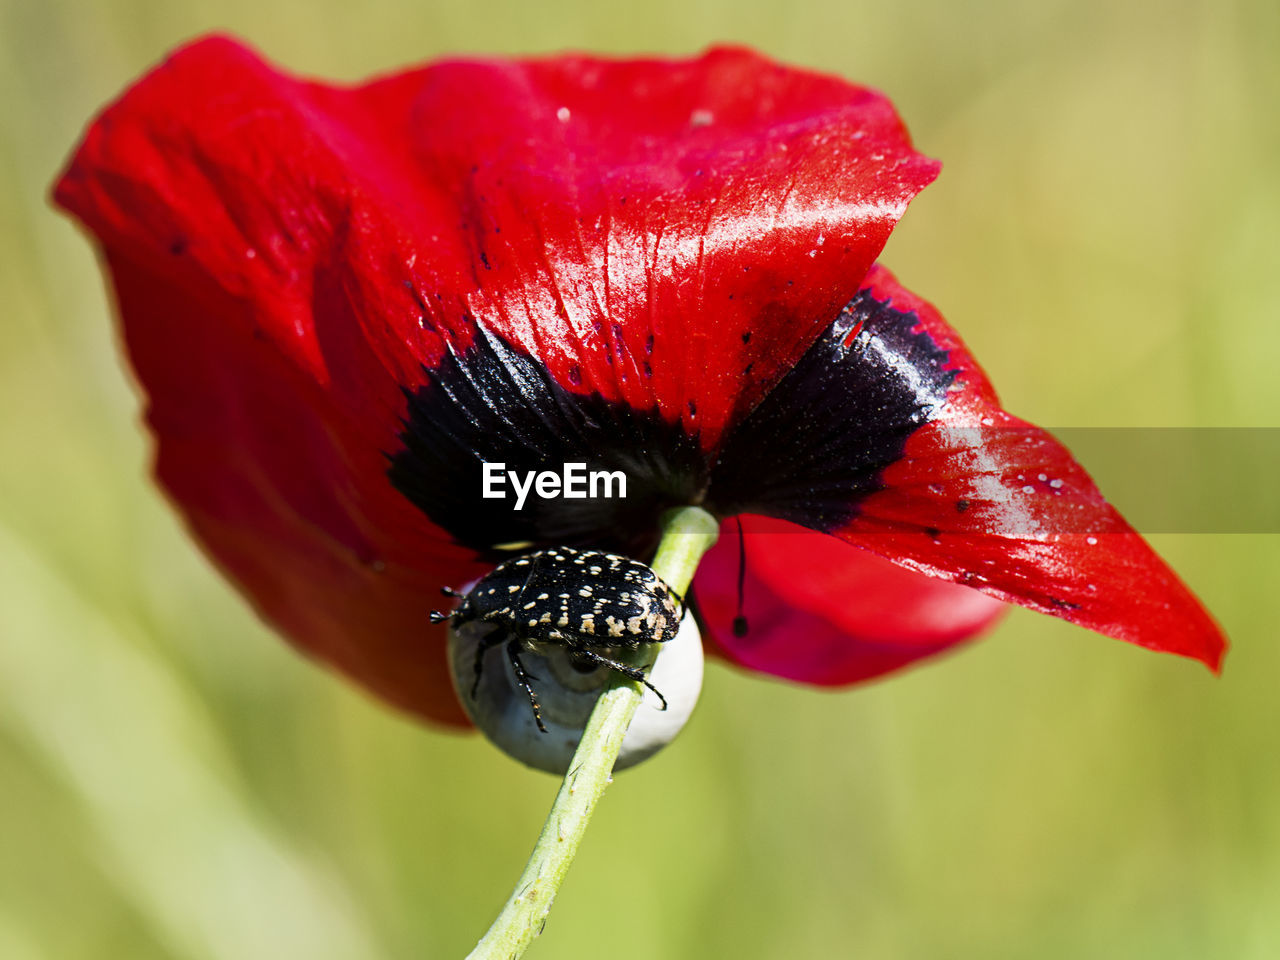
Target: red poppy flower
x: 341, y: 301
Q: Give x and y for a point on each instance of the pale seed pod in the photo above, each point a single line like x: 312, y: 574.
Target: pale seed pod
x: 566, y: 695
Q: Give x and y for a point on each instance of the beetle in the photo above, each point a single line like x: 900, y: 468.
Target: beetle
x: 587, y: 601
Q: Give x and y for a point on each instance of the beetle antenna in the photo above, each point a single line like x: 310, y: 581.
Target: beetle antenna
x: 437, y: 617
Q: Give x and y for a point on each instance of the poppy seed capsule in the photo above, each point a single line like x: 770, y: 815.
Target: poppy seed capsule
x: 566, y: 696
x: 587, y: 601
x: 564, y: 616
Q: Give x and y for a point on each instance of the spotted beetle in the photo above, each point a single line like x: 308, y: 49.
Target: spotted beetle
x: 587, y: 601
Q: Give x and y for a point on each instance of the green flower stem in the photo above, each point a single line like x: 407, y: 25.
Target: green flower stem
x: 687, y: 533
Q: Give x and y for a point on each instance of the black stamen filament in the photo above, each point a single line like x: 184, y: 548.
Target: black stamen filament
x: 740, y: 621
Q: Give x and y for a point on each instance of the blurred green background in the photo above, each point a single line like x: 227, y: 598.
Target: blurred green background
x: 175, y: 783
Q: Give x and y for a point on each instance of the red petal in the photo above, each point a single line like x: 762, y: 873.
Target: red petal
x: 647, y: 229
x: 820, y: 611
x: 984, y: 499
x: 725, y: 207
x: 288, y: 496
x: 289, y: 256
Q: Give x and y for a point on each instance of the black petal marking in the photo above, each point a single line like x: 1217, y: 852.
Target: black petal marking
x: 809, y: 452
x: 495, y: 404
x: 820, y: 441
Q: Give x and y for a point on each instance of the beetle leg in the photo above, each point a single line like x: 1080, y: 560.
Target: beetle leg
x: 513, y: 653
x: 482, y: 647
x: 633, y: 673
